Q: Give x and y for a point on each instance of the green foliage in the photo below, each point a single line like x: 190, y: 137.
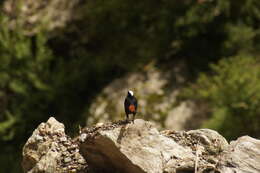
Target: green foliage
x: 125, y: 35
x: 24, y: 72
x: 209, y: 30
x: 232, y: 92
x: 240, y: 39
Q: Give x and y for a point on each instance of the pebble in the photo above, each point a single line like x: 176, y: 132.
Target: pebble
x: 99, y: 124
x: 67, y: 159
x: 83, y: 137
x: 63, y: 139
x: 67, y: 143
x: 81, y: 161
x: 63, y: 148
x: 38, y: 138
x: 73, y: 170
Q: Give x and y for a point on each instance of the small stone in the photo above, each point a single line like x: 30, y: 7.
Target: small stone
x: 99, y: 124
x: 66, y: 153
x: 67, y: 143
x: 39, y: 138
x: 73, y: 170
x: 63, y: 148
x: 67, y: 159
x: 63, y: 139
x: 83, y: 137
x: 81, y: 161
x: 74, y: 146
x: 74, y: 166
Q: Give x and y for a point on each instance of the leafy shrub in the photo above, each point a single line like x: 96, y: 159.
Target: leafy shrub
x: 24, y: 89
x: 232, y: 91
x: 24, y: 66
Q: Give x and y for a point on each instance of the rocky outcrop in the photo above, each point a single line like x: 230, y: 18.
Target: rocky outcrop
x: 137, y: 147
x: 50, y: 150
x: 242, y: 155
x: 131, y: 148
x: 156, y: 91
x: 34, y: 16
x: 148, y: 86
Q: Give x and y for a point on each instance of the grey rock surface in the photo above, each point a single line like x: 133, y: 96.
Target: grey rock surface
x: 137, y: 148
x: 242, y: 155
x: 50, y: 150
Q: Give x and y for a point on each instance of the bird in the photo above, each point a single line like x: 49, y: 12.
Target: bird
x: 130, y: 105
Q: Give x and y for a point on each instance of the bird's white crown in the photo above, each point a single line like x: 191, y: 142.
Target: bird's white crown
x: 131, y: 93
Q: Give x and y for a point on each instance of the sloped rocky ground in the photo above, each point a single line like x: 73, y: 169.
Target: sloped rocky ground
x: 49, y: 149
x: 137, y: 147
x: 34, y: 16
x: 157, y: 92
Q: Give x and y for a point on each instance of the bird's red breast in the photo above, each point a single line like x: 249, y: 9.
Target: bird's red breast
x: 131, y: 108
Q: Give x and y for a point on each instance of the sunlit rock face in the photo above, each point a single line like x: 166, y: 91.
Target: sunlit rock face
x: 137, y: 147
x: 50, y: 150
x: 156, y: 91
x: 33, y: 16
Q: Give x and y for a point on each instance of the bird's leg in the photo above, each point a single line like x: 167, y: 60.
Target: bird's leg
x: 133, y: 118
x: 127, y: 117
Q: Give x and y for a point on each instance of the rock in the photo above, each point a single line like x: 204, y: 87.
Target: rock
x: 105, y: 107
x: 242, y: 155
x: 186, y: 115
x: 186, y: 110
x: 210, y: 141
x: 137, y: 147
x: 67, y: 159
x: 154, y: 87
x: 34, y: 16
x: 45, y: 150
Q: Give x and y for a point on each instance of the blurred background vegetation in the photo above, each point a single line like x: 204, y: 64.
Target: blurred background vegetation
x: 56, y: 56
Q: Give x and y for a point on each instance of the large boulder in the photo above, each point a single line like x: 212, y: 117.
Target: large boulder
x: 242, y: 155
x: 156, y: 91
x: 50, y: 150
x: 137, y: 147
x: 128, y: 148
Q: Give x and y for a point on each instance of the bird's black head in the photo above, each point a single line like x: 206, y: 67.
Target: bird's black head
x: 130, y: 93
